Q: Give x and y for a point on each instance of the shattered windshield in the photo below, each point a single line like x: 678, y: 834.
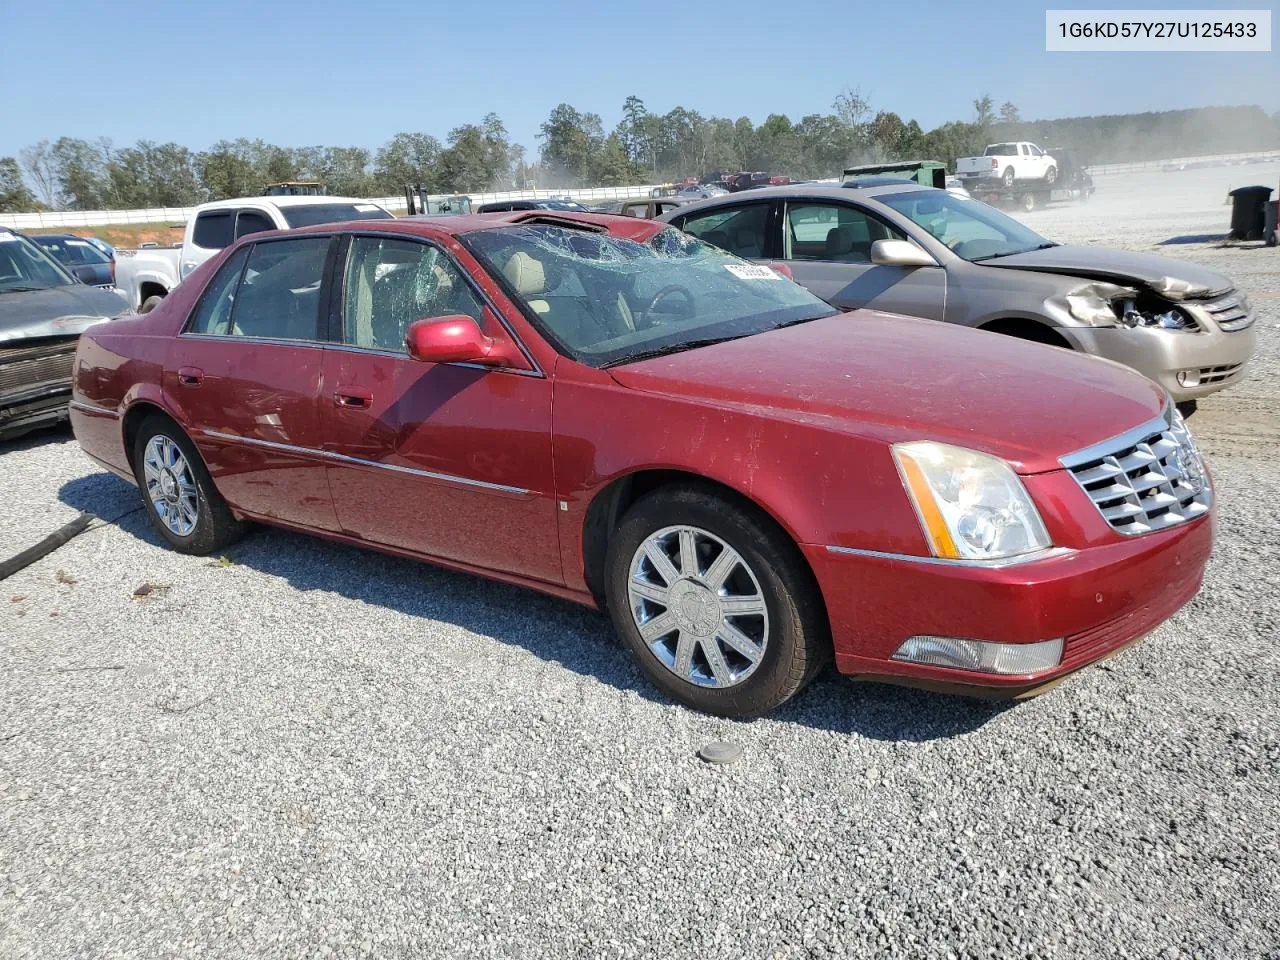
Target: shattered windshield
x: 970, y: 228
x: 604, y: 300
x: 24, y: 266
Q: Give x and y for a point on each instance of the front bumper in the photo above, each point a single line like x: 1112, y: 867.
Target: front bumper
x: 30, y: 410
x: 1098, y: 598
x: 1214, y: 359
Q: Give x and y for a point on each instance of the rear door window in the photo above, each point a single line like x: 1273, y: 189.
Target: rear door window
x: 279, y: 294
x: 252, y: 221
x: 213, y: 315
x: 741, y: 230
x: 213, y: 229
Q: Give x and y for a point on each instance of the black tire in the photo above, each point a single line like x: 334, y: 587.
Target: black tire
x: 1008, y: 178
x: 1051, y: 176
x: 150, y: 303
x: 215, y: 526
x: 1028, y: 202
x: 799, y: 641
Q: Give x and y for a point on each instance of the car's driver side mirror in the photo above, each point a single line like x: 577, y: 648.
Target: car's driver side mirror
x: 900, y: 253
x: 457, y: 339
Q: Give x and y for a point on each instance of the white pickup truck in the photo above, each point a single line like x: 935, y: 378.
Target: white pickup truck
x: 147, y: 275
x: 1008, y: 163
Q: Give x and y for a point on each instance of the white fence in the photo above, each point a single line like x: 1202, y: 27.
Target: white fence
x: 179, y: 215
x: 1223, y: 159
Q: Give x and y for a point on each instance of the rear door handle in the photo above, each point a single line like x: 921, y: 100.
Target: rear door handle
x: 190, y: 376
x: 355, y: 397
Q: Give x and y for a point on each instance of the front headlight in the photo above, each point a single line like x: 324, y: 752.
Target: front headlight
x: 972, y: 506
x: 1093, y: 303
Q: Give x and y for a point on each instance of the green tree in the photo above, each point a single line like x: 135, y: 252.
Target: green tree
x: 230, y: 169
x: 279, y: 165
x: 571, y: 143
x: 407, y: 159
x: 777, y: 148
x: 345, y: 172
x: 983, y: 115
x: 81, y: 172
x: 497, y: 152
x: 613, y: 167
x: 634, y: 131
x: 1009, y: 113
x: 744, y: 142
x: 463, y: 166
x: 825, y: 145
x: 15, y: 197
x: 887, y: 133
x: 153, y: 175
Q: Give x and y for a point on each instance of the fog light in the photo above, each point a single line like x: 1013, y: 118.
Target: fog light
x: 1189, y: 378
x: 981, y: 656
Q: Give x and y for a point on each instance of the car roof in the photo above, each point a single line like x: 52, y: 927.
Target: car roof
x: 808, y: 191
x: 285, y: 201
x: 427, y: 225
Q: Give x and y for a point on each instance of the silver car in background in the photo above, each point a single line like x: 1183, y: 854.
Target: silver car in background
x: 928, y: 253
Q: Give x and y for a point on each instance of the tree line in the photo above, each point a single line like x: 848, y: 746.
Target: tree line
x: 575, y: 150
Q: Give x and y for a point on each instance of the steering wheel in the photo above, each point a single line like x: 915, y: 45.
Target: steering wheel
x: 668, y: 291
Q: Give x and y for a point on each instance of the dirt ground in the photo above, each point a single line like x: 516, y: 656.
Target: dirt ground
x: 125, y: 235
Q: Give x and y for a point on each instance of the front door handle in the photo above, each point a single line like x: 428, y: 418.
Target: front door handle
x: 190, y: 376
x: 353, y: 397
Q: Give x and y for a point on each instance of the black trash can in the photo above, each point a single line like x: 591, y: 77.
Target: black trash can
x: 1248, y: 212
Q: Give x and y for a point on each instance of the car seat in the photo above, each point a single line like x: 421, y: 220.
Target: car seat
x: 568, y: 317
x: 529, y: 278
x: 717, y: 238
x: 747, y: 243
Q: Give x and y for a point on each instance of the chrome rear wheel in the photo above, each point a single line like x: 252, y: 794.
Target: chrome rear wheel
x: 171, y: 486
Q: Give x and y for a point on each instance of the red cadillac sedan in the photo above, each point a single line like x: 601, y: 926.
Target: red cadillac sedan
x: 603, y: 408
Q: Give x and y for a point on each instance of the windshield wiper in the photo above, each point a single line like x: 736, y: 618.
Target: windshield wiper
x: 673, y: 348
x: 792, y: 323
x: 1013, y: 253
x: 21, y: 289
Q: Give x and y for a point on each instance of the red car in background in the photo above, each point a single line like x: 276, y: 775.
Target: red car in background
x: 605, y: 409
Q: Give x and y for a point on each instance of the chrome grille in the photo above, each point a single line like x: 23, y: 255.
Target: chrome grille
x: 28, y: 367
x: 1229, y: 312
x: 1151, y: 478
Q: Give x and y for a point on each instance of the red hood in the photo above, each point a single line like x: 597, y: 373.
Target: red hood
x: 898, y: 378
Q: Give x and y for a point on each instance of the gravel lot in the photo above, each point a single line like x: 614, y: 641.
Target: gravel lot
x: 313, y: 751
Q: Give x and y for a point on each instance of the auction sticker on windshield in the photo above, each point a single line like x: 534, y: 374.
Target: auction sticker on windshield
x: 747, y: 271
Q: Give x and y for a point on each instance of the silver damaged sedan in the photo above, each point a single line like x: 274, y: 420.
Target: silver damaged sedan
x: 929, y: 253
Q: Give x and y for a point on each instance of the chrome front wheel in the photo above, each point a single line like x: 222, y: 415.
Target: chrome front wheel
x: 171, y: 486
x: 698, y: 606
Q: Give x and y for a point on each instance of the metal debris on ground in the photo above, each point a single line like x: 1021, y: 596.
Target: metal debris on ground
x: 720, y: 751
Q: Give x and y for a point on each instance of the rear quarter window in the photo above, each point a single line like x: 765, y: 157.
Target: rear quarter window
x: 213, y: 230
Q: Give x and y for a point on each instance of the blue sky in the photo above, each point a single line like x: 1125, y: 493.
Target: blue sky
x: 299, y: 73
